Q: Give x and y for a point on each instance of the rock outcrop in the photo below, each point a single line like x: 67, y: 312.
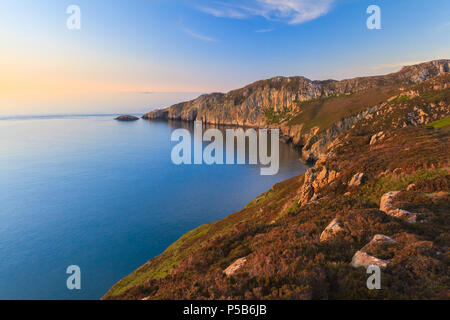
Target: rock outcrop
x: 357, y: 180
x: 315, y: 178
x: 381, y: 238
x: 315, y: 144
x: 362, y: 259
x: 233, y: 268
x: 331, y: 230
x: 387, y: 207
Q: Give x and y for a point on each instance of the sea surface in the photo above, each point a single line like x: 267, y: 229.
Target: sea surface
x: 104, y: 195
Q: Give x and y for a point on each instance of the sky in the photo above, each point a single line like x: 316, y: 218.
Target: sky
x: 137, y: 55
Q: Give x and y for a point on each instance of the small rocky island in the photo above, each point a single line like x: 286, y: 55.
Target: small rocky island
x: 126, y: 118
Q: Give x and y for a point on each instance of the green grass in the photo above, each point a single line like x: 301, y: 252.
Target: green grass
x: 400, y: 99
x: 373, y: 191
x: 275, y: 117
x: 440, y: 123
x: 436, y: 96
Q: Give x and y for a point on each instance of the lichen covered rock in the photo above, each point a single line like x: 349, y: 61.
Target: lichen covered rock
x: 387, y: 207
x: 331, y: 230
x: 362, y: 259
x: 235, y: 266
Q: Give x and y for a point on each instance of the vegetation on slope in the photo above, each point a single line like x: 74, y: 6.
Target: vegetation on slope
x: 278, y: 233
x: 163, y: 265
x: 274, y: 101
x: 325, y: 112
x: 440, y: 123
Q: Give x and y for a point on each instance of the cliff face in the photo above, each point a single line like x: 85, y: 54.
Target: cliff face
x: 293, y: 104
x: 314, y: 144
x: 378, y: 194
x: 253, y: 104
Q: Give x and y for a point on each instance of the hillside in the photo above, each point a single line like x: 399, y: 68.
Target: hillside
x: 378, y: 193
x: 307, y: 112
x: 273, y: 101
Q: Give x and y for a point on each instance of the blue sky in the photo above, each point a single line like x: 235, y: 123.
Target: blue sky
x: 204, y: 46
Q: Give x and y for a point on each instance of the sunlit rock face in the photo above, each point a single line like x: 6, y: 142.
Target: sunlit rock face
x: 249, y: 106
x: 387, y: 207
x: 331, y: 230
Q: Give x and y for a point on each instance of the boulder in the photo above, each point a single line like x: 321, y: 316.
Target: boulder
x: 386, y: 200
x: 235, y: 267
x: 381, y: 238
x: 387, y: 207
x: 331, y: 230
x: 404, y: 214
x: 362, y: 259
x: 379, y: 241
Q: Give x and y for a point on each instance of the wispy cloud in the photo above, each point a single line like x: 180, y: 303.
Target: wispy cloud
x: 289, y: 11
x: 224, y: 11
x: 198, y: 35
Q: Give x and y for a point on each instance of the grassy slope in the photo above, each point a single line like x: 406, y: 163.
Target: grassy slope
x: 325, y: 112
x: 440, y: 123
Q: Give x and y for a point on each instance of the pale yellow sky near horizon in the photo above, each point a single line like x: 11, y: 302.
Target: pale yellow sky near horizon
x: 32, y: 87
x: 172, y: 47
x: 60, y: 79
x: 56, y: 78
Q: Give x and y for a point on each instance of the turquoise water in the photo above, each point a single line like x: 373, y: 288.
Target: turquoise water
x: 104, y: 195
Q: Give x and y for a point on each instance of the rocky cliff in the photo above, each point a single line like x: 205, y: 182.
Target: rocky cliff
x: 287, y: 103
x: 378, y: 195
x: 249, y: 106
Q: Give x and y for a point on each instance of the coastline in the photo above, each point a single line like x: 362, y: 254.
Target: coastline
x: 335, y: 181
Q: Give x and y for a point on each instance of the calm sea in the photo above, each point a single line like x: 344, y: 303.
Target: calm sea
x: 104, y: 195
